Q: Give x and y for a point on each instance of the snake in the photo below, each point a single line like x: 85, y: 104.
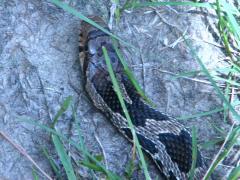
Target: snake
x: 163, y: 138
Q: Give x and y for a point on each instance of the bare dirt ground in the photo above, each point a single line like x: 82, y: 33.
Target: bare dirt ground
x: 39, y: 68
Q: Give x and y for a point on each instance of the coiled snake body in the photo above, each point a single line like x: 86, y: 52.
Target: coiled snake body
x: 163, y: 138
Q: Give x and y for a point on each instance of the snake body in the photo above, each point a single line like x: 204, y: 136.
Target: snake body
x: 162, y: 137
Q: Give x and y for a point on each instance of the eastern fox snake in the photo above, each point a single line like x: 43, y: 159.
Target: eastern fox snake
x: 162, y: 137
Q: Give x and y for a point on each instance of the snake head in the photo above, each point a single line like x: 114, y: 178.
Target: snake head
x: 87, y: 32
x: 91, y: 42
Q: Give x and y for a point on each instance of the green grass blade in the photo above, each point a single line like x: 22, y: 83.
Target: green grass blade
x: 63, y: 108
x: 117, y: 12
x: 227, y: 70
x: 186, y: 74
x: 65, y: 159
x: 134, y: 5
x: 147, y: 4
x: 92, y: 166
x: 235, y: 174
x: 121, y: 100
x: 222, y: 26
x: 201, y: 114
x: 194, y: 153
x: 226, y: 94
x: 236, y: 67
x: 73, y: 11
x: 232, y: 21
x: 82, y: 146
x: 34, y: 174
x: 74, y: 144
x: 94, y: 161
x: 130, y: 168
x: 231, y: 82
x: 211, y: 143
x: 219, y: 130
x: 80, y: 138
x: 230, y: 8
x: 229, y: 142
x: 52, y: 163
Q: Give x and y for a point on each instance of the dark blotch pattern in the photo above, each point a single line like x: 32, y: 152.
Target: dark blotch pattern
x: 145, y: 143
x: 179, y: 147
x: 138, y: 111
x: 172, y: 177
x: 128, y: 132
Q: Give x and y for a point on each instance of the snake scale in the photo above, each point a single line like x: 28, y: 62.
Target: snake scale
x: 167, y: 141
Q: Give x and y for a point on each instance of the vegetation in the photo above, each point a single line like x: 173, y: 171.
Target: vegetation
x: 229, y: 30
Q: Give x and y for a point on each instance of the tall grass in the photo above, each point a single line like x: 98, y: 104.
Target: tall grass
x: 59, y: 140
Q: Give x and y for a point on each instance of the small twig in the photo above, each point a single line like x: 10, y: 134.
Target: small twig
x: 112, y: 12
x: 103, y: 151
x: 100, y: 144
x: 165, y: 21
x: 24, y: 153
x: 230, y: 116
x: 179, y: 40
x: 172, y: 9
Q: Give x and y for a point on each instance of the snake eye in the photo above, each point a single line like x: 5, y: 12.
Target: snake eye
x: 91, y: 47
x: 99, y: 51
